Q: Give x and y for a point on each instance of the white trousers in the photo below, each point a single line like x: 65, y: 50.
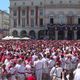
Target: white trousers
x: 21, y: 77
x: 39, y: 74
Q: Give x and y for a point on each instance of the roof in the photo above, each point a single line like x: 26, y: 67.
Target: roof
x: 4, y: 12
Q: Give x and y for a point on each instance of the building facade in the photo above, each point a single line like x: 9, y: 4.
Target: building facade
x: 41, y: 19
x: 4, y: 24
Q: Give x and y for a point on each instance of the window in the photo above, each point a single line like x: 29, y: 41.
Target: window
x: 15, y: 23
x: 23, y: 12
x: 61, y: 19
x: 79, y: 2
x: 40, y: 3
x: 23, y: 3
x: 41, y: 22
x: 78, y: 20
x: 51, y: 2
x: 70, y: 19
x: 15, y: 12
x: 61, y: 2
x: 32, y: 22
x: 51, y: 21
x: 70, y: 1
x: 32, y: 12
x: 32, y: 3
x: 15, y: 4
x: 41, y: 12
x: 23, y: 22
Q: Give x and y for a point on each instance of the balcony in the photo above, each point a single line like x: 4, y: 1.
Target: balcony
x: 63, y: 26
x: 63, y: 6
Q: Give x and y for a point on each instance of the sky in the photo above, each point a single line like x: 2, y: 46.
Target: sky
x: 4, y: 5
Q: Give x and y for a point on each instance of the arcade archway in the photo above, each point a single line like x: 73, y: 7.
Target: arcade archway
x: 32, y: 34
x: 23, y: 33
x: 41, y: 34
x: 78, y: 34
x: 15, y: 33
x: 60, y: 35
x: 70, y: 35
x: 52, y: 35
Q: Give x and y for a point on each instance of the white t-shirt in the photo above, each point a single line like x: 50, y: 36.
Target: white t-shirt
x: 20, y: 68
x: 77, y: 74
x: 38, y: 65
x: 56, y: 71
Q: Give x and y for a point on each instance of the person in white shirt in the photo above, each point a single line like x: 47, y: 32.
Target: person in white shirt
x: 7, y: 62
x: 51, y: 63
x: 45, y: 68
x: 34, y: 57
x: 68, y: 63
x: 56, y: 72
x: 74, y: 61
x: 38, y: 65
x: 62, y: 59
x: 28, y: 70
x: 0, y: 70
x: 12, y: 71
x: 21, y: 70
x: 77, y: 73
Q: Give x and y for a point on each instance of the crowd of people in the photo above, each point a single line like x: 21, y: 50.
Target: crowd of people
x: 40, y: 60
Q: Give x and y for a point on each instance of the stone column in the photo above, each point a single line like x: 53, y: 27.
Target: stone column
x: 36, y: 34
x: 56, y: 35
x: 75, y: 34
x: 19, y: 31
x: 66, y: 34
